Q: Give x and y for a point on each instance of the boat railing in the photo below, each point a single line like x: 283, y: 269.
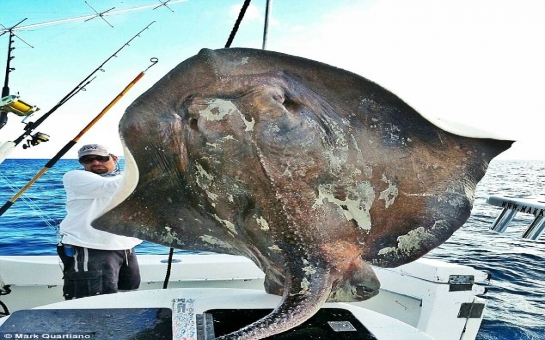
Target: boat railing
x: 513, y: 205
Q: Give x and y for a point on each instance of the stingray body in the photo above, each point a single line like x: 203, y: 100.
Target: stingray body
x: 312, y: 172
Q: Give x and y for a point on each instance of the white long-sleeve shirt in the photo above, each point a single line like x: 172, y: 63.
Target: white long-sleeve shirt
x: 87, y: 194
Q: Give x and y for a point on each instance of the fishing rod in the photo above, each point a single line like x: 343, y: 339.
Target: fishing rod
x: 37, y: 138
x: 71, y: 143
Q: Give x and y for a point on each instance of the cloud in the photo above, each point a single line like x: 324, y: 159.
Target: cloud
x: 477, y: 62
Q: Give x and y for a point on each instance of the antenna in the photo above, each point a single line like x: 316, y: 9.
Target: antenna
x: 101, y: 14
x: 164, y: 4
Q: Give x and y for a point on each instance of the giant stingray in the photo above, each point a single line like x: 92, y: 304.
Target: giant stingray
x: 312, y: 172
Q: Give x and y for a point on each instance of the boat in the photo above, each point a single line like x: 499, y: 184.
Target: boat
x: 425, y: 299
x: 193, y: 293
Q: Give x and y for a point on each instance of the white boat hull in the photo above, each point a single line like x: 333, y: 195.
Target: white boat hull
x: 428, y: 295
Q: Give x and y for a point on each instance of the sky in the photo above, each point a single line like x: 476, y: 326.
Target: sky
x: 476, y: 62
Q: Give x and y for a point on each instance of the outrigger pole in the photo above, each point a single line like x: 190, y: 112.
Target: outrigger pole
x: 5, y: 98
x: 8, y: 147
x: 100, y: 15
x: 12, y: 103
x: 71, y: 143
x: 88, y: 17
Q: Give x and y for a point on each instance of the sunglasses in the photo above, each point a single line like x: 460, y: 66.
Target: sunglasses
x: 89, y: 160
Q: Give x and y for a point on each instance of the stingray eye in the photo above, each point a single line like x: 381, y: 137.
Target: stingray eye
x: 194, y: 124
x: 291, y: 106
x: 190, y: 112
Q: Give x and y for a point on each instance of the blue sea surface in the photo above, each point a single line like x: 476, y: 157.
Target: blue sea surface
x: 515, y: 308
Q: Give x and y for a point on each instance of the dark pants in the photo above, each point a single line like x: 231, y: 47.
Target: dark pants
x: 89, y: 272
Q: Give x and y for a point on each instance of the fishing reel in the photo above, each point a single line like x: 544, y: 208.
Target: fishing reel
x: 12, y: 103
x: 36, y: 139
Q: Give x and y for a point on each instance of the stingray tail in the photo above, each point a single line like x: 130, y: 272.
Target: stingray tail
x: 301, y: 300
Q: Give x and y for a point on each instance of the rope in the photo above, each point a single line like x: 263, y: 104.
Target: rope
x: 4, y: 290
x: 169, y: 267
x: 5, y: 308
x: 237, y: 23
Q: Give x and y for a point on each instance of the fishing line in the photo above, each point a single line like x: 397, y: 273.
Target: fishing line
x: 48, y: 221
x: 71, y: 143
x: 30, y: 126
x: 56, y: 36
x: 86, y: 17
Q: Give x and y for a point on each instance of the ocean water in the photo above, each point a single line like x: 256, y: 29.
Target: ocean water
x: 516, y: 291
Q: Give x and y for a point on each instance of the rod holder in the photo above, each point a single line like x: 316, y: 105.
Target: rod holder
x: 536, y: 229
x: 502, y: 221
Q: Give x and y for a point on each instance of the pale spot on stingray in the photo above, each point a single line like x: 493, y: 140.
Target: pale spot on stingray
x: 226, y: 223
x: 412, y: 241
x: 169, y: 237
x: 305, y: 286
x: 249, y: 124
x: 389, y: 194
x: 212, y: 195
x: 204, y: 180
x: 355, y: 207
x: 309, y: 270
x: 274, y: 248
x: 263, y: 224
x: 203, y: 177
x: 387, y: 250
x: 215, y: 242
x: 217, y: 109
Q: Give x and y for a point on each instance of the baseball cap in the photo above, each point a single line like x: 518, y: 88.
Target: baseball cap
x: 93, y: 149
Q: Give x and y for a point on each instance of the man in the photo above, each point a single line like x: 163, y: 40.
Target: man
x: 95, y: 262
